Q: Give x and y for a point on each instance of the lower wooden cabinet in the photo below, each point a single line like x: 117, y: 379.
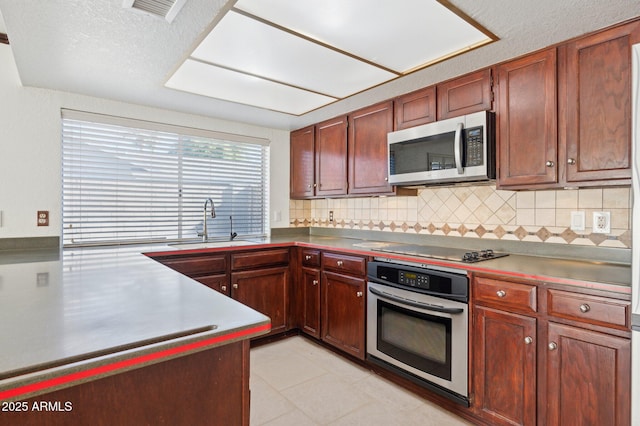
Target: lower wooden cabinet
x: 343, y: 312
x: 504, y: 373
x: 565, y: 360
x: 266, y: 291
x: 310, y: 301
x: 588, y: 377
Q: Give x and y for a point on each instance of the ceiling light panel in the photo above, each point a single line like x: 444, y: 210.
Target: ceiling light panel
x: 241, y: 43
x: 216, y: 82
x: 399, y: 35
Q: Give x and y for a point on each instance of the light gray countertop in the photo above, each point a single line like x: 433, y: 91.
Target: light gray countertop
x: 68, y: 310
x: 99, y: 305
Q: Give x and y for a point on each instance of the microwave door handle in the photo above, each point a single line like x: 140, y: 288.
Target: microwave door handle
x: 457, y: 148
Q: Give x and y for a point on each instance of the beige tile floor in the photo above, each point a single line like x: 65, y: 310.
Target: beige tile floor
x: 295, y: 382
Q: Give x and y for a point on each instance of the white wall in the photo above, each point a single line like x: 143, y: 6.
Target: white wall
x: 30, y: 149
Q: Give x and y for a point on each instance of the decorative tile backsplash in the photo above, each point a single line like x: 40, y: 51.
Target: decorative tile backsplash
x: 479, y: 212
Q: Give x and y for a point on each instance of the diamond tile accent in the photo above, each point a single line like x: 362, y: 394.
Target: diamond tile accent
x: 597, y: 238
x: 480, y: 230
x: 431, y: 228
x: 568, y: 235
x: 499, y: 232
x: 446, y: 229
x: 462, y: 230
x: 520, y: 232
x: 543, y: 234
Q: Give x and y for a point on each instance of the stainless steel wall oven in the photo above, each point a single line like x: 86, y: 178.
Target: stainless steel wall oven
x: 417, y: 324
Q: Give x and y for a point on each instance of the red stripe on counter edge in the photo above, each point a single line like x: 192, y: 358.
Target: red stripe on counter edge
x: 33, y: 387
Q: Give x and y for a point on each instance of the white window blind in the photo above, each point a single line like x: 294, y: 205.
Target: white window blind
x: 127, y: 181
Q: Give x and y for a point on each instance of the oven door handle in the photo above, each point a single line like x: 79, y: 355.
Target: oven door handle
x: 424, y: 306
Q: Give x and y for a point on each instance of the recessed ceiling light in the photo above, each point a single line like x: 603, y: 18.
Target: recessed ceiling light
x: 329, y: 50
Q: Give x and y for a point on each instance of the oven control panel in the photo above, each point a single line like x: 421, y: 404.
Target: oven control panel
x: 413, y: 279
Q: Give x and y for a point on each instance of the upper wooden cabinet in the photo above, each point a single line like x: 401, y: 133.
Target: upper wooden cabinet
x: 302, y: 163
x: 465, y: 95
x: 415, y: 108
x: 564, y: 120
x: 331, y: 157
x: 318, y: 160
x: 527, y: 120
x: 596, y: 71
x: 368, y: 168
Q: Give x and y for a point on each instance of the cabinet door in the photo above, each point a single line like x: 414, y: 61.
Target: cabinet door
x: 415, y: 108
x: 588, y: 377
x: 331, y: 157
x: 343, y: 312
x: 598, y: 105
x: 311, y: 301
x: 527, y: 120
x: 465, y: 95
x: 368, y: 168
x: 302, y: 166
x: 217, y: 282
x: 264, y: 290
x: 504, y: 367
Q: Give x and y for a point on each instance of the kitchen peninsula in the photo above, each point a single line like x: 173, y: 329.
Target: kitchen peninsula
x: 108, y: 336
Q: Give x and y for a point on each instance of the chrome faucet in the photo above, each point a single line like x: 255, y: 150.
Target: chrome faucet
x: 205, y: 236
x: 232, y: 234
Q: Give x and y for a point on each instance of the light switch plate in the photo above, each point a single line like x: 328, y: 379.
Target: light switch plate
x: 601, y: 222
x: 577, y: 221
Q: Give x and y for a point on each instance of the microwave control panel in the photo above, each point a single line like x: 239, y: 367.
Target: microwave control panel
x: 474, y: 147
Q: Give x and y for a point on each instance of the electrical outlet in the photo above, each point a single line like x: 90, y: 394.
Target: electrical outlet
x: 601, y: 222
x: 43, y: 218
x: 330, y: 215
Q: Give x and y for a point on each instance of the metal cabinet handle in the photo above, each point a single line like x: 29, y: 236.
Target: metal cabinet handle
x: 339, y: 263
x: 359, y: 294
x: 223, y: 288
x: 307, y: 257
x: 584, y: 308
x: 235, y: 285
x: 571, y: 161
x: 386, y: 179
x: 553, y: 346
x: 550, y: 164
x: 528, y: 340
x: 501, y: 293
x: 315, y: 185
x: 309, y: 186
x: 315, y: 282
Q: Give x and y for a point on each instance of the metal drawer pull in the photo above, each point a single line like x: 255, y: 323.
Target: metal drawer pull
x: 307, y: 257
x: 315, y: 282
x: 550, y: 164
x: 235, y: 286
x: 571, y: 161
x: 553, y: 346
x: 359, y: 294
x: 584, y: 308
x: 501, y: 293
x: 528, y: 340
x: 223, y: 288
x: 339, y: 263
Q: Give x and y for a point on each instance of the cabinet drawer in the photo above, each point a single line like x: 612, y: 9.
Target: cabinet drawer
x: 343, y: 263
x: 258, y: 259
x: 509, y: 294
x: 195, y: 266
x: 591, y: 309
x: 310, y: 257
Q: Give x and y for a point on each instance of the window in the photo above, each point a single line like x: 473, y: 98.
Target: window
x: 127, y: 181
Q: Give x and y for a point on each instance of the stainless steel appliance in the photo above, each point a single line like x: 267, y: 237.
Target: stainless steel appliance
x: 454, y: 150
x: 417, y: 324
x: 635, y: 259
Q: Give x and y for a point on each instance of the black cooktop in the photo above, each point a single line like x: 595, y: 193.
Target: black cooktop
x: 442, y: 253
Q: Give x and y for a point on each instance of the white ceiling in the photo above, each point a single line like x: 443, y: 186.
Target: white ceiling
x: 98, y: 48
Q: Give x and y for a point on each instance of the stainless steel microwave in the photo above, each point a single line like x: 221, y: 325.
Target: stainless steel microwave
x: 460, y: 149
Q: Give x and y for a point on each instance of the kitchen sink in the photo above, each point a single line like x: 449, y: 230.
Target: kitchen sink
x: 212, y: 244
